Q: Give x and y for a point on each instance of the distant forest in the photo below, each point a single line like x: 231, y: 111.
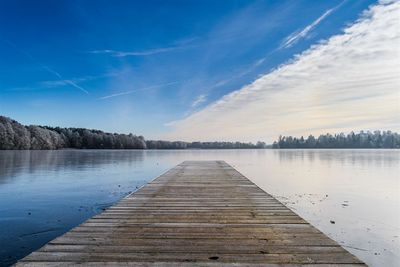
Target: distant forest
x: 377, y: 139
x: 14, y: 135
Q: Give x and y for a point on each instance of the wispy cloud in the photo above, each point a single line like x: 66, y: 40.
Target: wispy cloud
x: 63, y: 82
x: 138, y: 90
x: 47, y: 68
x: 178, y: 45
x: 347, y: 82
x: 76, y: 86
x: 116, y: 53
x: 171, y: 123
x: 240, y: 73
x: 199, y: 100
x: 298, y: 35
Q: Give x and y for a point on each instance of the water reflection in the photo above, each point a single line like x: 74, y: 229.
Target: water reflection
x: 366, y: 157
x: 13, y: 163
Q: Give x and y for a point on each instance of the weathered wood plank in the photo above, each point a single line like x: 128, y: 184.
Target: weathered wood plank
x: 305, y: 258
x: 180, y: 264
x: 201, y: 213
x: 198, y: 249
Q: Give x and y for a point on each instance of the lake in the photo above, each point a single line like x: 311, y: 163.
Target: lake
x: 353, y: 196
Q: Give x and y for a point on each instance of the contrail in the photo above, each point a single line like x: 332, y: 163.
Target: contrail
x: 138, y: 90
x: 46, y: 68
x: 296, y: 36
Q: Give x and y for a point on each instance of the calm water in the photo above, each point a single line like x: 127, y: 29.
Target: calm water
x: 45, y: 193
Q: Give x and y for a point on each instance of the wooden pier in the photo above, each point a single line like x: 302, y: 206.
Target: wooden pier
x: 200, y: 213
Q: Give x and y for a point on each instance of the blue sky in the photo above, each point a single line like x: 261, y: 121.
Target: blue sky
x: 146, y: 67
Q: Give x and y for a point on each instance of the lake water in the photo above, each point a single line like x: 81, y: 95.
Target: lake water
x: 45, y: 193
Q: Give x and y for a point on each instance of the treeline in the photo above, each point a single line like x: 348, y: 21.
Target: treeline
x: 201, y: 145
x: 14, y: 135
x: 376, y: 139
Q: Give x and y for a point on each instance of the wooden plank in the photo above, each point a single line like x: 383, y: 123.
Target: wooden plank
x: 330, y: 258
x: 174, y: 264
x: 200, y: 213
x: 199, y: 249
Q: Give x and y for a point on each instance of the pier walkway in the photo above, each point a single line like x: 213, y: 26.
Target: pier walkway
x: 200, y: 213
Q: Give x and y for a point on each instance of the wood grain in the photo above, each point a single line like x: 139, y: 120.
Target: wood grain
x: 200, y: 213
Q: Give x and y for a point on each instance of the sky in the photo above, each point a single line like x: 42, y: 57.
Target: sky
x: 202, y: 70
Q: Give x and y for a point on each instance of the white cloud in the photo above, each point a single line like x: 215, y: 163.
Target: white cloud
x: 116, y: 53
x: 65, y: 82
x: 199, y: 100
x: 296, y: 36
x: 138, y: 90
x: 349, y: 82
x: 177, y: 45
